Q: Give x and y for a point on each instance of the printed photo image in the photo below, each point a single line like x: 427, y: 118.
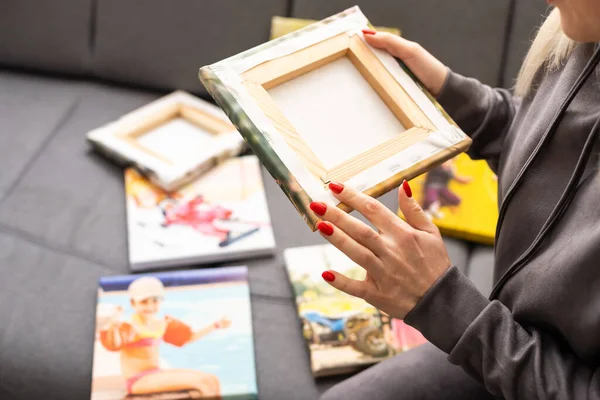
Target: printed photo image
x: 221, y: 216
x: 343, y: 333
x: 177, y: 335
x: 461, y: 197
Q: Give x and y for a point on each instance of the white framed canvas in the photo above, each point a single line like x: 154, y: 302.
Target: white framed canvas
x: 320, y: 105
x: 171, y: 140
x: 222, y: 215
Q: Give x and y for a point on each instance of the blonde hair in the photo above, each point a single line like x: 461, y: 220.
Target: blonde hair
x: 548, y: 51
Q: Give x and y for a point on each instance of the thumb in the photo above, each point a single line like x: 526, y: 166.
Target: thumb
x: 414, y: 214
x: 430, y: 71
x: 393, y: 44
x: 341, y: 282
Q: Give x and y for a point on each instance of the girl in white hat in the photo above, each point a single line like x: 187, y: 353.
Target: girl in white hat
x: 138, y: 342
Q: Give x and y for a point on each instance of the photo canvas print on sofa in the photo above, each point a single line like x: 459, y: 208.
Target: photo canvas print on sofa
x: 174, y: 335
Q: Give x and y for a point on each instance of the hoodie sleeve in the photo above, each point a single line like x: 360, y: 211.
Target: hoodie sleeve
x: 513, y: 361
x: 485, y: 114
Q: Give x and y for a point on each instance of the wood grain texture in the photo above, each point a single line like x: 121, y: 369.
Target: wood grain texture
x: 139, y: 128
x: 134, y: 130
x: 204, y: 120
x: 414, y: 171
x: 280, y: 70
x: 135, y: 143
x: 377, y: 154
x: 275, y: 72
x: 286, y: 129
x: 388, y: 88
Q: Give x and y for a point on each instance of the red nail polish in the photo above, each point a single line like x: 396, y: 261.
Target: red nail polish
x: 318, y: 208
x: 368, y: 32
x: 336, y: 187
x: 328, y: 276
x: 325, y: 227
x: 407, y: 189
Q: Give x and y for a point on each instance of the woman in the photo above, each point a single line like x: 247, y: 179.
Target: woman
x: 138, y: 342
x: 538, y: 336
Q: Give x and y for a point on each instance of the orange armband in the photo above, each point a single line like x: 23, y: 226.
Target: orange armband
x: 177, y: 332
x: 115, y: 338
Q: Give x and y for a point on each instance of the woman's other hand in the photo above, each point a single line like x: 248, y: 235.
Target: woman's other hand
x: 430, y: 71
x: 403, y: 259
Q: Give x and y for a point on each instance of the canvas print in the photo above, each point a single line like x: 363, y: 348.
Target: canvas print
x: 174, y: 335
x: 254, y: 88
x: 221, y: 216
x: 171, y: 140
x: 343, y: 333
x: 461, y: 198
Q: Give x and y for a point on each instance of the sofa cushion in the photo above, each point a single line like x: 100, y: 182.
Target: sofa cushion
x: 481, y: 268
x: 69, y: 197
x: 162, y: 44
x: 528, y: 16
x: 47, y: 307
x: 32, y: 110
x: 46, y: 35
x: 466, y: 35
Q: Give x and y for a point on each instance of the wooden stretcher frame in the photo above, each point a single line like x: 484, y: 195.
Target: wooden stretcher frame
x: 240, y: 85
x: 197, y: 117
x: 265, y: 76
x: 119, y: 139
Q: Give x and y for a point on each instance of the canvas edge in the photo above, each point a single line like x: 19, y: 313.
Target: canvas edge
x: 258, y: 143
x: 170, y: 178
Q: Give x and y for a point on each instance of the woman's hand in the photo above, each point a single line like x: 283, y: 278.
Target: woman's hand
x: 430, y: 71
x: 402, y: 259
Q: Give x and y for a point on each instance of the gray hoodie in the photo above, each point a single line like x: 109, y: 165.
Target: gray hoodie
x: 540, y: 338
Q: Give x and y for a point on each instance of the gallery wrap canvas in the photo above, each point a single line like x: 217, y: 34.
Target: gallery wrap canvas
x: 343, y: 333
x: 171, y: 140
x: 223, y: 215
x: 174, y: 335
x: 461, y: 198
x: 320, y: 105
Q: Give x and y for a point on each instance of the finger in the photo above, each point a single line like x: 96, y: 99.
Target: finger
x: 393, y: 44
x: 350, y: 247
x: 353, y: 227
x: 414, y: 214
x: 378, y: 214
x: 341, y: 282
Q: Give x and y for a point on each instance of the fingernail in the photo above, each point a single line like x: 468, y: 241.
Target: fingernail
x: 318, y: 208
x: 406, y: 188
x: 368, y: 32
x: 336, y: 187
x: 328, y: 276
x: 325, y: 228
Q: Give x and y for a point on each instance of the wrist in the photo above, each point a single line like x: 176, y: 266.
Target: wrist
x: 441, y: 76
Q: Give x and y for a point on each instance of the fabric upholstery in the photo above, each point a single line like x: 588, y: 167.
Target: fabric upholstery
x: 32, y: 108
x: 46, y: 35
x: 72, y: 198
x: 48, y: 300
x: 481, y: 268
x: 466, y: 35
x: 170, y: 41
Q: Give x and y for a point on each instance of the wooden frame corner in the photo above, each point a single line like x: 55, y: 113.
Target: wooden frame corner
x: 265, y: 76
x: 202, y: 119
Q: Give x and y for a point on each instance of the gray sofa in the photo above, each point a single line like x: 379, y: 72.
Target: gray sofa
x: 68, y: 66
